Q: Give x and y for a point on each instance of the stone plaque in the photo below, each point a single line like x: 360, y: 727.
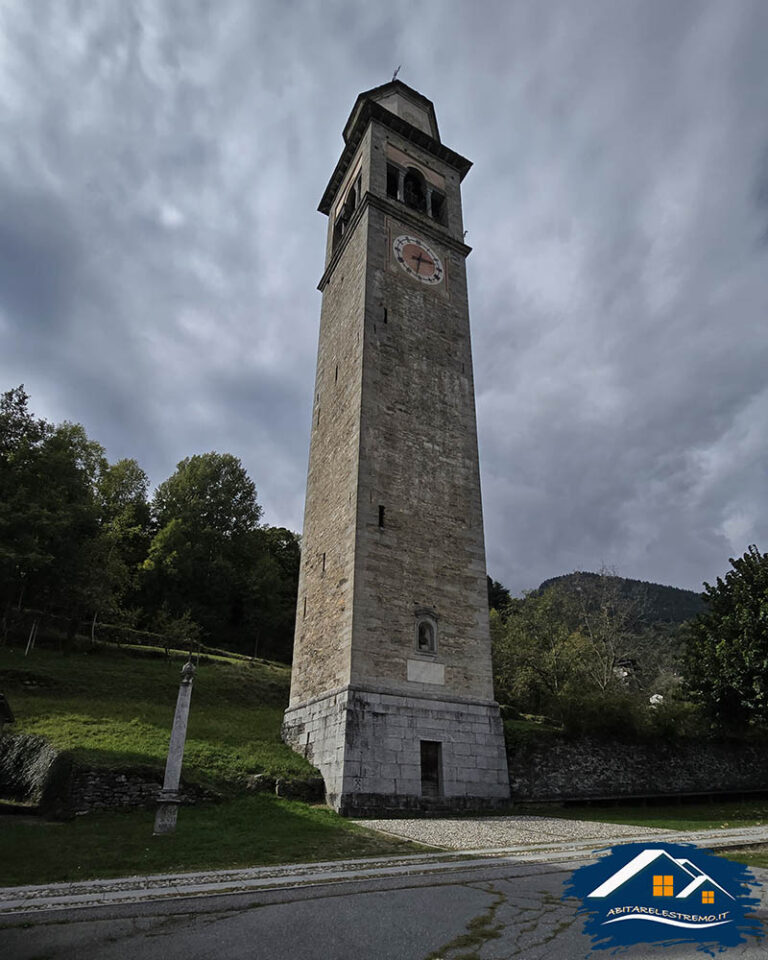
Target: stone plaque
x: 424, y: 671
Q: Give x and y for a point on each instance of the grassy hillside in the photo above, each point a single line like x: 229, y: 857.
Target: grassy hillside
x: 114, y: 708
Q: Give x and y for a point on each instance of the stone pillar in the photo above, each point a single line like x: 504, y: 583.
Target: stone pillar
x: 401, y: 185
x: 168, y: 800
x: 429, y: 200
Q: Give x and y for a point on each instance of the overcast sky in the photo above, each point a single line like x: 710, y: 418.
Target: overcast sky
x: 160, y: 168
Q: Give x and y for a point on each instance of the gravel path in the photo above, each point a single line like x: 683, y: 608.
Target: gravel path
x: 487, y: 832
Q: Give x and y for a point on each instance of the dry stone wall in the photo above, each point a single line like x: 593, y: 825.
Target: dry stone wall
x: 35, y: 773
x: 92, y: 789
x: 590, y: 769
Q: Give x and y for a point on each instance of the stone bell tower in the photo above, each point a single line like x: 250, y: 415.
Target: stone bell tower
x: 392, y: 695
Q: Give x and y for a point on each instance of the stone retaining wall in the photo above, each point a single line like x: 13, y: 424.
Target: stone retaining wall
x: 33, y: 772
x: 588, y: 768
x: 92, y: 789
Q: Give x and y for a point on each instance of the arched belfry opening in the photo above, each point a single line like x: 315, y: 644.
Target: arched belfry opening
x: 415, y: 190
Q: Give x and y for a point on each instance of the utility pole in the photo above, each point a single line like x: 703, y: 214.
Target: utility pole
x: 168, y: 800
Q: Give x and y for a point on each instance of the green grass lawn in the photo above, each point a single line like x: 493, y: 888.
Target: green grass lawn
x: 680, y: 816
x: 245, y: 831
x: 114, y: 708
x: 756, y: 856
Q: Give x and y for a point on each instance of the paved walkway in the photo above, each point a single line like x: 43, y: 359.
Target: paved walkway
x: 471, y: 833
x: 547, y: 841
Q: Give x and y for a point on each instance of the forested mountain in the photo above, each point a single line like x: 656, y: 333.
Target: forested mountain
x: 655, y: 602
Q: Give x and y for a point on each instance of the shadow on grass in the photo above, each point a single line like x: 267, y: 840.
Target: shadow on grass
x: 246, y: 831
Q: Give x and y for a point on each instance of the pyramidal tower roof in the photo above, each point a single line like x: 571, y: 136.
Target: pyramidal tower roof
x: 404, y: 102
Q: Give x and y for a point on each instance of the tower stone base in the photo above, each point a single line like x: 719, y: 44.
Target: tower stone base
x: 368, y: 747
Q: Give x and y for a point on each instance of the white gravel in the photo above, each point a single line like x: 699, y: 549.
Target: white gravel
x: 487, y: 832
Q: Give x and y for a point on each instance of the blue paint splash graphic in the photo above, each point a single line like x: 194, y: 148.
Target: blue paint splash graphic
x: 667, y: 894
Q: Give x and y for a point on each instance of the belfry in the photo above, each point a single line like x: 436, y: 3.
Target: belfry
x: 391, y: 692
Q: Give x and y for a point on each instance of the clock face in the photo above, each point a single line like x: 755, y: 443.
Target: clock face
x: 415, y: 257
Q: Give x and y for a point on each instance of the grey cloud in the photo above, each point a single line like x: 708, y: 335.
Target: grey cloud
x: 162, y: 169
x: 39, y: 261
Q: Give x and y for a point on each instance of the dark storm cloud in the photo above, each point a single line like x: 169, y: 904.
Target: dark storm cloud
x: 159, y: 248
x: 38, y: 261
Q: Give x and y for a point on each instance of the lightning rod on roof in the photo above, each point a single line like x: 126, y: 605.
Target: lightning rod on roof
x: 394, y: 75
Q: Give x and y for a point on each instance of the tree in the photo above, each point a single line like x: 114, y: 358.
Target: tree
x: 51, y: 552
x: 207, y: 556
x: 79, y: 539
x: 209, y: 492
x: 538, y: 653
x: 726, y: 662
x: 576, y: 650
x: 22, y: 542
x: 121, y: 493
x: 498, y: 596
x: 73, y: 529
x: 276, y: 607
x: 609, y: 619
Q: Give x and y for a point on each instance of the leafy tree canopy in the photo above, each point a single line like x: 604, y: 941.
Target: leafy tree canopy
x: 78, y: 538
x: 209, y: 491
x: 210, y: 558
x: 580, y: 644
x: 727, y: 646
x: 499, y: 597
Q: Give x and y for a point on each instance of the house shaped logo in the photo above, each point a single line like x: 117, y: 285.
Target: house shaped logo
x: 640, y: 893
x: 665, y: 878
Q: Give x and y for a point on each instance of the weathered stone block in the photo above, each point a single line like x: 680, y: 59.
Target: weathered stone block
x: 309, y: 789
x: 260, y: 783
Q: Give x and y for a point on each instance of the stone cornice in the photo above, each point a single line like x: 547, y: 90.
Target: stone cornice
x: 389, y: 692
x: 424, y: 225
x: 371, y: 110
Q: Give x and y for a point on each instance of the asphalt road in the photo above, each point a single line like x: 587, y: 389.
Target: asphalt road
x: 488, y: 913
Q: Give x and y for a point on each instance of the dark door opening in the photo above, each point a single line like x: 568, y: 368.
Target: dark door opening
x: 431, y: 768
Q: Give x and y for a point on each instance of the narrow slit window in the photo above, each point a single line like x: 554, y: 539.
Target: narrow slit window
x: 305, y: 607
x: 336, y: 378
x: 323, y: 563
x: 385, y: 314
x: 381, y: 515
x: 318, y: 416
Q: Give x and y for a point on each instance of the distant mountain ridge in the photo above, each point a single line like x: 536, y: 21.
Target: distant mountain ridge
x: 660, y: 603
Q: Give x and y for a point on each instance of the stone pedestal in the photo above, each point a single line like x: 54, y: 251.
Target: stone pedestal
x: 167, y: 812
x: 368, y: 747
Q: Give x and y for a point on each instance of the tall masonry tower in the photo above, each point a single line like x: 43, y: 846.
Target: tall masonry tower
x: 392, y: 695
